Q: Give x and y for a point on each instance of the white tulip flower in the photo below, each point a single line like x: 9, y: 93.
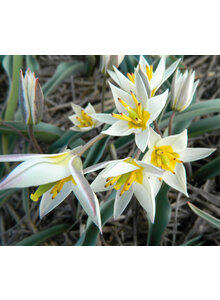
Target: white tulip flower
x: 169, y: 154
x: 57, y: 175
x: 151, y: 79
x: 31, y: 99
x: 128, y: 176
x: 82, y: 119
x: 183, y: 89
x: 108, y: 61
x: 136, y: 113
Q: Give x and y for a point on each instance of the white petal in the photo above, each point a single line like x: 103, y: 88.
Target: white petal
x: 74, y: 120
x: 118, y: 169
x: 124, y: 82
x: 77, y: 108
x: 178, y: 141
x: 20, y: 157
x: 47, y: 203
x: 192, y: 154
x: 89, y: 109
x: 150, y: 170
x: 158, y: 74
x: 141, y: 91
x: 96, y: 167
x: 143, y: 63
x: 147, y: 156
x: 141, y: 139
x: 119, y: 93
x: 145, y: 195
x: 156, y: 104
x: 82, y: 196
x: 121, y: 202
x: 169, y: 71
x: 155, y: 184
x: 120, y: 128
x: 104, y: 118
x: 98, y: 185
x: 177, y: 180
x: 37, y: 171
x: 85, y: 193
x: 154, y: 138
x: 113, y: 76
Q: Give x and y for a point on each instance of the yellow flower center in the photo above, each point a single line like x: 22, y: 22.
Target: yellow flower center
x: 127, y: 179
x: 137, y: 117
x: 164, y: 157
x: 85, y: 120
x: 57, y: 187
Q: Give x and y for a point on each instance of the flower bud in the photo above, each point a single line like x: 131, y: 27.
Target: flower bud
x: 108, y: 61
x: 183, y: 89
x: 31, y: 99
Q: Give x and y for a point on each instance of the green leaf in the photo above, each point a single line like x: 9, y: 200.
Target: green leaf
x: 209, y: 170
x: 89, y: 237
x: 43, y: 131
x: 205, y: 216
x: 63, y: 71
x: 197, y: 241
x: 43, y: 235
x: 162, y: 217
x: 194, y: 110
x: 203, y: 126
x: 66, y: 139
x: 95, y: 153
x: 31, y: 63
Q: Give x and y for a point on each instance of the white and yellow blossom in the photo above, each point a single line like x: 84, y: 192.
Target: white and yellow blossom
x: 136, y: 113
x: 108, y: 61
x: 183, y: 89
x: 57, y: 175
x: 169, y: 154
x: 31, y: 99
x: 127, y: 177
x: 82, y: 119
x: 151, y: 79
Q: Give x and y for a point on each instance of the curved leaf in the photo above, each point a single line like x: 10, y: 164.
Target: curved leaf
x: 204, y: 126
x: 43, y: 235
x: 209, y: 170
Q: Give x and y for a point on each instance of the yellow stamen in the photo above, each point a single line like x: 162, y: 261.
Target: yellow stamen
x: 85, y: 120
x: 164, y: 157
x: 122, y: 117
x: 59, y: 185
x: 123, y: 102
x: 131, y: 77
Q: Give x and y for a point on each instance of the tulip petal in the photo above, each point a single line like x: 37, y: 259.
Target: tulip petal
x: 145, y: 195
x: 37, y: 171
x: 119, y: 93
x: 118, y: 169
x: 98, y: 185
x: 192, y: 154
x: 104, y: 118
x: 178, y: 141
x: 83, y: 191
x: 155, y: 184
x: 89, y: 109
x: 156, y: 104
x: 124, y: 82
x: 150, y: 169
x: 98, y: 166
x: 120, y: 128
x: 77, y: 109
x: 121, y: 202
x: 177, y: 180
x: 154, y: 138
x: 141, y: 139
x: 47, y: 204
x: 141, y: 92
x: 158, y: 74
x: 113, y: 75
x: 169, y: 71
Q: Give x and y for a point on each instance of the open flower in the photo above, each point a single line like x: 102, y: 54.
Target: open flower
x: 108, y: 61
x: 169, y: 153
x: 31, y: 99
x: 151, y: 79
x: 82, y: 119
x: 57, y: 175
x: 127, y: 177
x: 183, y: 89
x: 136, y: 113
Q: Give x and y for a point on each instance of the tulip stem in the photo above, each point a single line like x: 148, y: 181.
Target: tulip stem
x: 90, y: 143
x: 33, y: 139
x: 103, y: 94
x: 138, y: 153
x: 157, y: 128
x: 171, y: 123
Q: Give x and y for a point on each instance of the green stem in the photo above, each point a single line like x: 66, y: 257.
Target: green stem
x: 171, y: 123
x: 33, y: 139
x: 90, y: 143
x: 157, y: 128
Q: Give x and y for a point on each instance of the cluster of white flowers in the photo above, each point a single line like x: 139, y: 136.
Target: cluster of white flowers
x: 138, y: 106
